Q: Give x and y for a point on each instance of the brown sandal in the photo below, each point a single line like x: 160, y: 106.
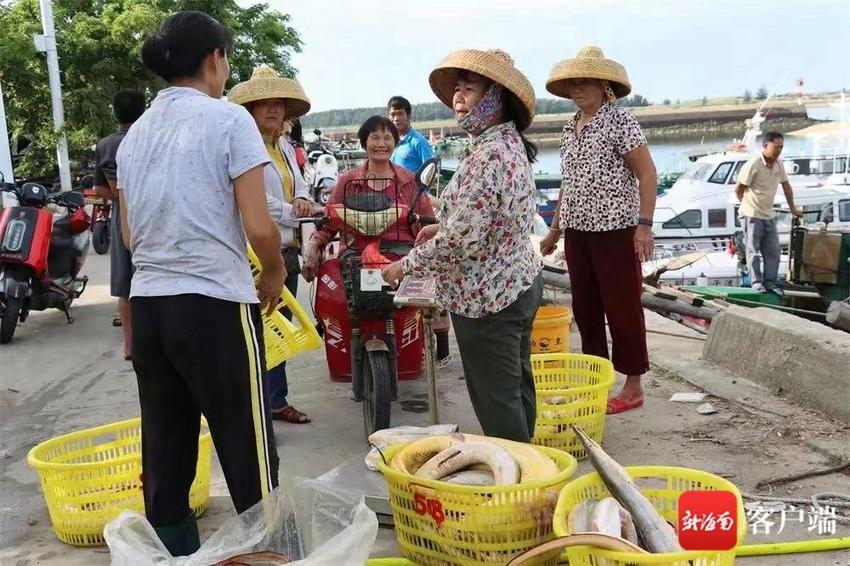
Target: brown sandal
x: 290, y: 414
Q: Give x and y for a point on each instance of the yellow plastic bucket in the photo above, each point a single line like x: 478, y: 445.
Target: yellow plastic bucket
x: 550, y: 332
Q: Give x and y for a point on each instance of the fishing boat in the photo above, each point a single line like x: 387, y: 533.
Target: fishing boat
x: 701, y: 205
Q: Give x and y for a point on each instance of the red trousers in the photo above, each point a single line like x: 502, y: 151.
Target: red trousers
x: 606, y: 279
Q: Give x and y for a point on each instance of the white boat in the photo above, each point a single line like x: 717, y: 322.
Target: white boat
x: 701, y: 205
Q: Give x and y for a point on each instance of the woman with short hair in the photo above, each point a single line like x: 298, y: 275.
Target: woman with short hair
x: 379, y: 137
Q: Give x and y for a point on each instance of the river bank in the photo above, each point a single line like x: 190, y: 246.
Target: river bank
x: 711, y: 129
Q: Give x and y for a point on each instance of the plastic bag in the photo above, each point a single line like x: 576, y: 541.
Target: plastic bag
x: 382, y: 439
x: 310, y: 522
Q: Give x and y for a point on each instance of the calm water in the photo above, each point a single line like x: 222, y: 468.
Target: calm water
x: 673, y: 155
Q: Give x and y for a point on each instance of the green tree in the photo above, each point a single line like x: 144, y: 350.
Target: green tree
x: 748, y: 96
x: 99, y: 44
x: 634, y: 100
x: 667, y: 102
x: 761, y: 93
x: 704, y: 101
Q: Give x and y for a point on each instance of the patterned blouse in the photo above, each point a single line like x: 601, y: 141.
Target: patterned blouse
x: 600, y: 191
x: 482, y: 257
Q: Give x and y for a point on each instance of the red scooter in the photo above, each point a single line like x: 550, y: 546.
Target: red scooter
x: 368, y: 340
x: 41, y: 253
x: 100, y: 217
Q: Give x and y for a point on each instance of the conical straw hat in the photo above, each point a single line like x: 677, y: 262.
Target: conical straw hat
x: 494, y: 64
x: 590, y: 63
x: 266, y: 83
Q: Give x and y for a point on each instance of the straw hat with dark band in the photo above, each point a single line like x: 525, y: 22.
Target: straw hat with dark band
x: 494, y: 64
x: 590, y: 63
x: 266, y: 83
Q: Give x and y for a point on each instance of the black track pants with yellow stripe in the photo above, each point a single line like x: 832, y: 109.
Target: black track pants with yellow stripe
x: 194, y: 354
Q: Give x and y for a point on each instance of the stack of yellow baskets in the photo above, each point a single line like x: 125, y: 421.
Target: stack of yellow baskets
x: 583, y: 384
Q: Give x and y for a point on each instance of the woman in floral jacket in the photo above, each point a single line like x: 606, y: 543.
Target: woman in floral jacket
x: 487, y: 273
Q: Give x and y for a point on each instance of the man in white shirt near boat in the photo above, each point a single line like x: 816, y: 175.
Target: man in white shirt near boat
x: 756, y: 189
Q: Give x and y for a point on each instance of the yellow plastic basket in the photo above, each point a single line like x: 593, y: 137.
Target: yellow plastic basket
x: 662, y: 485
x: 585, y: 383
x: 454, y: 525
x: 88, y: 477
x: 285, y: 339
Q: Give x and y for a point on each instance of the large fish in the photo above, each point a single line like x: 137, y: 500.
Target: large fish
x: 656, y: 534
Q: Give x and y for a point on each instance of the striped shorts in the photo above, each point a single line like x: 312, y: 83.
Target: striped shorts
x: 198, y: 355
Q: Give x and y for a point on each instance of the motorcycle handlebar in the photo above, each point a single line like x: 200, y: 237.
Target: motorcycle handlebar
x: 311, y: 219
x: 425, y: 220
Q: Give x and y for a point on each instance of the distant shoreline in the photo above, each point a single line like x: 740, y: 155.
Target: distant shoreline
x: 660, y: 121
x: 709, y: 129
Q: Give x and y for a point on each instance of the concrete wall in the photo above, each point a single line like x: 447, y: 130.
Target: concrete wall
x: 807, y: 361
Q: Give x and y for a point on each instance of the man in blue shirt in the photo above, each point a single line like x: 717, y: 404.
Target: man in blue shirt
x: 413, y: 149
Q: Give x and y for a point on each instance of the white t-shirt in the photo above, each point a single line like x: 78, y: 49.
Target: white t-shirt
x: 176, y: 167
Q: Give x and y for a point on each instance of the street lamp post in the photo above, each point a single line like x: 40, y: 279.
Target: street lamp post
x: 47, y: 44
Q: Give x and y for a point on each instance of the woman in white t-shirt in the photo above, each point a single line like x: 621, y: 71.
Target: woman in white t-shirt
x: 190, y: 175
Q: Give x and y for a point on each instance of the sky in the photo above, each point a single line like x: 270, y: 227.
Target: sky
x: 361, y: 52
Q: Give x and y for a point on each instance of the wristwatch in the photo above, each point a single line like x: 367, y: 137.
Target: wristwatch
x: 645, y: 222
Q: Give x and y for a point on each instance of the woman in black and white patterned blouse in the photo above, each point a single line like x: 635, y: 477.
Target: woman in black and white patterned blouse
x: 605, y: 211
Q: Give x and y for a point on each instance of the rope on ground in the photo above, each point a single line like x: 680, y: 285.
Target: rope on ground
x: 674, y: 335
x: 770, y: 482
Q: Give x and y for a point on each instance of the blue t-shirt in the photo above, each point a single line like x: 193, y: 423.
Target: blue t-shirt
x: 413, y: 150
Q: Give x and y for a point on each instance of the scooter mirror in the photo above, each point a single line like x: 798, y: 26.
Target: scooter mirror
x: 426, y: 174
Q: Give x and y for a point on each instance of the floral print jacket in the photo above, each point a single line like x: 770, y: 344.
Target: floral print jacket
x: 482, y: 257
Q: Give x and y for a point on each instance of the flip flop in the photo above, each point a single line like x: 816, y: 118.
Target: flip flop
x: 617, y: 405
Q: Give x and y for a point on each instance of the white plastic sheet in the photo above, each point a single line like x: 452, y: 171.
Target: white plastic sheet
x: 311, y: 522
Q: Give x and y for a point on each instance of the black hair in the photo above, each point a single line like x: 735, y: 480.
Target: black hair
x: 296, y: 133
x: 182, y: 43
x: 401, y: 103
x: 374, y: 124
x: 128, y: 105
x: 772, y: 137
x: 514, y: 110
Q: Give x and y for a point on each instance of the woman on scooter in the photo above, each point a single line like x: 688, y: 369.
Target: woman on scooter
x: 271, y: 100
x: 487, y: 273
x: 379, y: 137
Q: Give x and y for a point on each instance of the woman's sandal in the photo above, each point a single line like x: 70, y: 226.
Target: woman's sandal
x: 291, y: 415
